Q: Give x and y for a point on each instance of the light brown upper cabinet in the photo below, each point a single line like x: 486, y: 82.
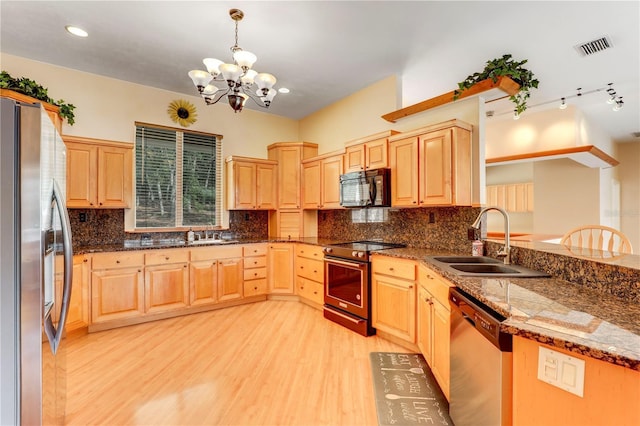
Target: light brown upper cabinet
x: 321, y: 181
x: 99, y: 173
x: 431, y: 166
x: 289, y: 156
x: 252, y: 184
x: 368, y: 153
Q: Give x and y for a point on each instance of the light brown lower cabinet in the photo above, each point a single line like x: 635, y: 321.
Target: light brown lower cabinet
x: 117, y: 287
x: 309, y: 267
x: 166, y: 287
x: 280, y: 270
x: 78, y: 314
x: 394, y: 296
x: 230, y: 283
x: 434, y: 322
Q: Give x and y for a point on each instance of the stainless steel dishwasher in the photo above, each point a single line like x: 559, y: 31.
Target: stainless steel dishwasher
x: 481, y: 364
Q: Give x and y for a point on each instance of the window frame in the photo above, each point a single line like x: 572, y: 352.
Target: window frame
x: 219, y: 190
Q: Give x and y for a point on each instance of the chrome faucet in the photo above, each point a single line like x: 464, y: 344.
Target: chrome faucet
x: 506, y: 250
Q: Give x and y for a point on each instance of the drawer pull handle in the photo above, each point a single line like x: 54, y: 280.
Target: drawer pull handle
x: 117, y: 261
x: 391, y: 269
x: 166, y: 258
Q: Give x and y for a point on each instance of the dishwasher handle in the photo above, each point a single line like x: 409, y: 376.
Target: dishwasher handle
x: 483, y: 319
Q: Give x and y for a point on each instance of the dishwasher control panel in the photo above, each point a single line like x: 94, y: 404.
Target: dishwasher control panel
x: 483, y: 318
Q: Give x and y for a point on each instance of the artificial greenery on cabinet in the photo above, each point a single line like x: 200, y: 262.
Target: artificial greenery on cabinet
x: 504, y: 67
x: 31, y: 88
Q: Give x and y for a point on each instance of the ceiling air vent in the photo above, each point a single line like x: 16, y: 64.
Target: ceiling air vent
x: 594, y: 46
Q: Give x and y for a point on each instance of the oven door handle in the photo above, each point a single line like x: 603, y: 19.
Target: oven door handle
x: 349, y: 264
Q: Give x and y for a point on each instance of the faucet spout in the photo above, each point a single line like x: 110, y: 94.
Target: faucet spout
x: 506, y: 250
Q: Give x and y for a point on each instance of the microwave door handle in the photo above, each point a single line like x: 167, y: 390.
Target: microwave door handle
x: 372, y: 190
x: 55, y: 334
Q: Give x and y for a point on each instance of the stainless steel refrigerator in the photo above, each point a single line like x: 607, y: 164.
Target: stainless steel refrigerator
x: 34, y: 230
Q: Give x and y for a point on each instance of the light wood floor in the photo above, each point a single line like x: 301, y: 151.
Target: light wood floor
x: 267, y: 363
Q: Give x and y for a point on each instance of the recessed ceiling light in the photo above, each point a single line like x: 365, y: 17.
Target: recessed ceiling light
x: 283, y: 90
x: 76, y: 31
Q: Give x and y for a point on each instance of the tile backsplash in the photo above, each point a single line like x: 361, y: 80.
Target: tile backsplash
x: 106, y: 227
x: 438, y: 227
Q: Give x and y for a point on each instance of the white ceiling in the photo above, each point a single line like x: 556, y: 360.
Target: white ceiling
x: 324, y: 51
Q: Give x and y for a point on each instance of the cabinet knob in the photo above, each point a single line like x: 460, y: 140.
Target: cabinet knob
x: 117, y: 261
x: 100, y: 203
x: 85, y: 260
x: 410, y: 286
x: 255, y: 263
x: 315, y: 271
x: 166, y: 258
x: 414, y: 202
x: 391, y: 269
x: 255, y: 288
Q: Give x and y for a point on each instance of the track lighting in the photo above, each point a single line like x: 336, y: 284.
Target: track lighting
x: 619, y: 104
x: 516, y: 116
x: 563, y: 104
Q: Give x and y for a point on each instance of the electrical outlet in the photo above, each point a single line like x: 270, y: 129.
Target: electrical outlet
x: 246, y: 217
x: 560, y: 370
x: 432, y: 217
x: 82, y: 217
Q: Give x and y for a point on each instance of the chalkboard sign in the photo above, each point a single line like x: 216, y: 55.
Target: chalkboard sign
x: 406, y: 391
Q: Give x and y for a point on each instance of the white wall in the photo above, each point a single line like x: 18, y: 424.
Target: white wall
x: 566, y: 195
x: 629, y: 178
x: 107, y: 109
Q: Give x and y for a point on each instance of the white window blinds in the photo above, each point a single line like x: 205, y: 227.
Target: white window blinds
x: 178, y: 178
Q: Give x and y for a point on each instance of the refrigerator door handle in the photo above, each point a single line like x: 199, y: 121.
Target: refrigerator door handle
x: 55, y: 334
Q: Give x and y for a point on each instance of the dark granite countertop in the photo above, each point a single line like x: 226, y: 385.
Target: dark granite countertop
x: 553, y: 311
x: 549, y: 310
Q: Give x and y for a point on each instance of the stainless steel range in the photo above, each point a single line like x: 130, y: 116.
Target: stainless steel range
x: 347, y: 280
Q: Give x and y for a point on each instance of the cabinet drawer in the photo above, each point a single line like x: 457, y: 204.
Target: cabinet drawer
x: 254, y: 274
x: 161, y: 257
x: 310, y: 290
x: 209, y: 253
x: 434, y: 284
x: 309, y: 251
x: 393, y: 266
x: 254, y: 250
x: 311, y: 269
x: 255, y: 262
x: 255, y: 287
x: 118, y: 260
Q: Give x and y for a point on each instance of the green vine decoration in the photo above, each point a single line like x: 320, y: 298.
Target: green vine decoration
x: 500, y: 67
x: 31, y: 88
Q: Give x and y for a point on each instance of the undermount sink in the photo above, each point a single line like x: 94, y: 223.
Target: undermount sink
x: 465, y: 259
x: 211, y: 242
x: 482, y: 266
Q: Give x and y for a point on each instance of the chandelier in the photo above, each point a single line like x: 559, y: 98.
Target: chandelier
x: 237, y: 80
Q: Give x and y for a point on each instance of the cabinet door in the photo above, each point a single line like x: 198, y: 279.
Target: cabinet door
x: 425, y: 324
x: 403, y: 157
x: 117, y: 294
x: 393, y: 306
x: 435, y: 168
x: 203, y: 282
x: 289, y: 159
x: 266, y: 189
x: 78, y: 314
x: 230, y: 279
x: 280, y: 271
x: 82, y: 159
x: 114, y: 176
x: 331, y: 171
x: 377, y: 154
x: 354, y: 158
x: 441, y: 345
x: 311, y: 193
x: 255, y: 287
x: 166, y: 287
x: 244, y: 185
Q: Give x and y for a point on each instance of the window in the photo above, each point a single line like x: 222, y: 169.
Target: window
x: 178, y: 178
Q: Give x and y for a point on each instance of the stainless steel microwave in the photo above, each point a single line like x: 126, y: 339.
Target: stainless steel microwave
x: 365, y: 189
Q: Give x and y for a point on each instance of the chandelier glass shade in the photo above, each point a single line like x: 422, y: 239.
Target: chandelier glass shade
x: 237, y: 81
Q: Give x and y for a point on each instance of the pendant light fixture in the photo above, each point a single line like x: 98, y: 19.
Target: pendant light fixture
x: 237, y: 80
